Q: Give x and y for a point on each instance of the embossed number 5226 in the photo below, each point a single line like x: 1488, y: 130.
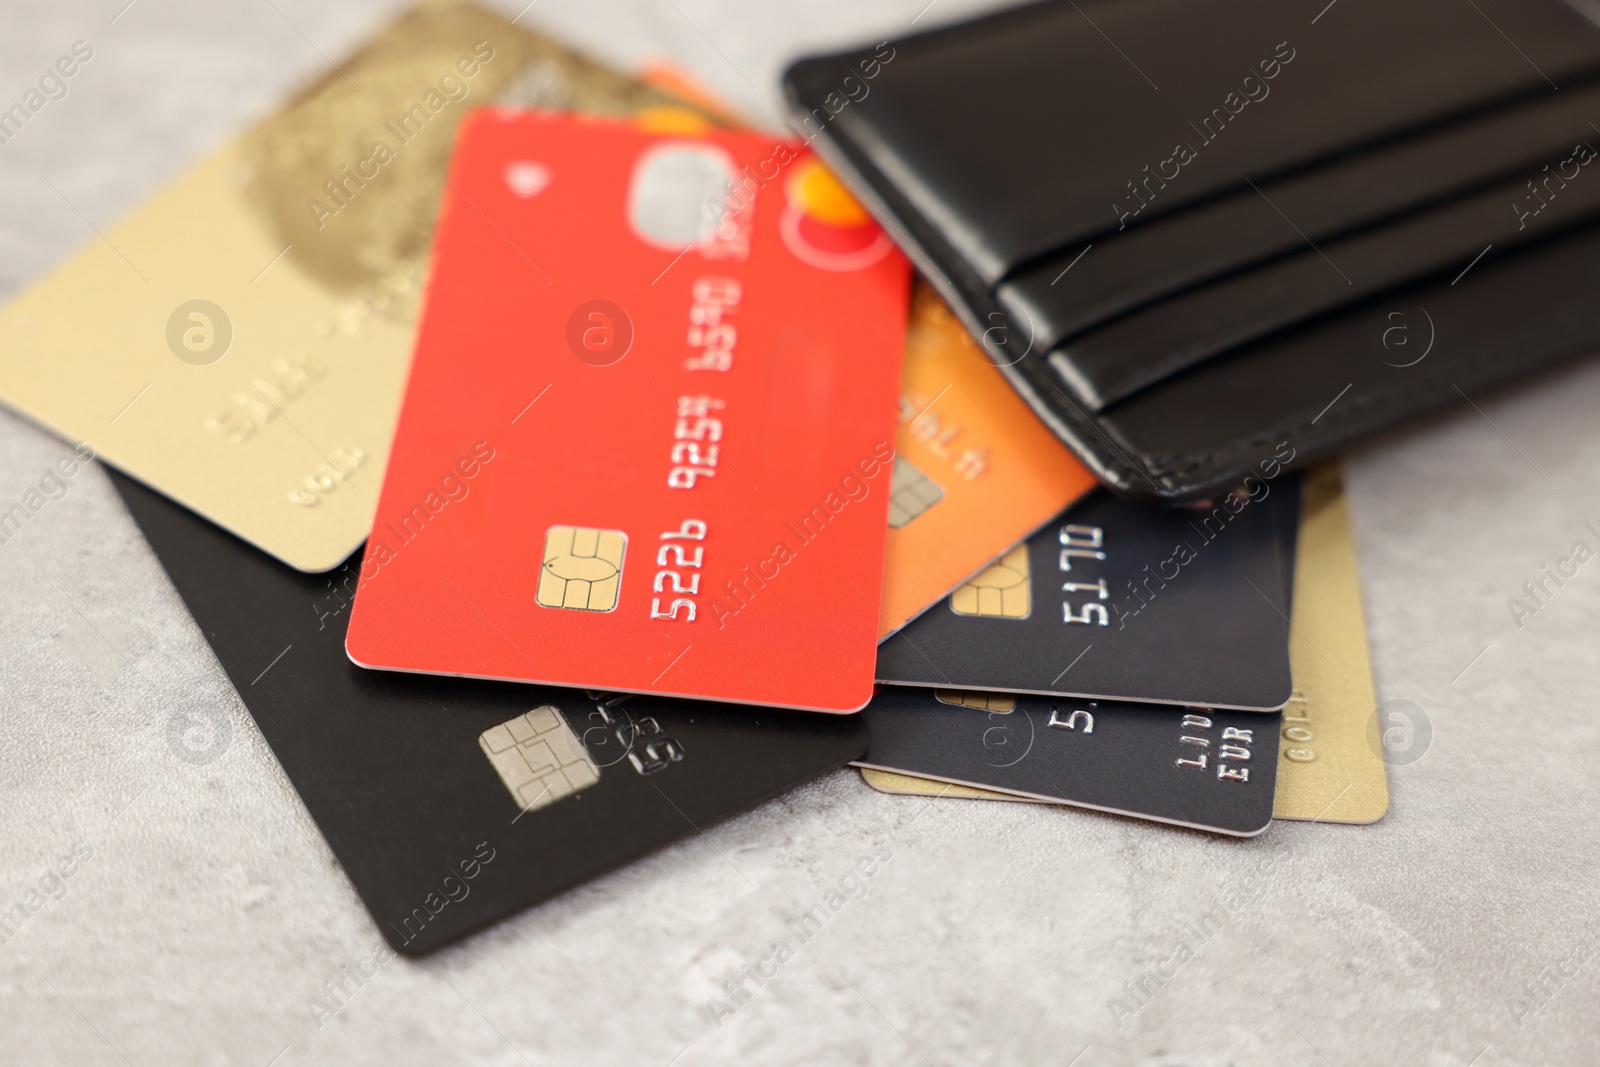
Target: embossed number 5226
x: 675, y: 556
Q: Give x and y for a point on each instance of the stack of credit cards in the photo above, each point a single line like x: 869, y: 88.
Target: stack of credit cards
x: 557, y: 465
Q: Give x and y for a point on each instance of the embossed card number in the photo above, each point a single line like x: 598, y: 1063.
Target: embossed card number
x: 714, y: 301
x: 693, y: 456
x: 1084, y: 543
x: 675, y: 554
x: 645, y: 745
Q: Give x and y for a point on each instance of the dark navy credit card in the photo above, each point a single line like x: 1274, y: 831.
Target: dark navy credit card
x: 1197, y: 767
x: 1121, y: 600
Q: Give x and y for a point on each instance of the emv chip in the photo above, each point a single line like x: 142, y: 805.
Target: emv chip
x: 910, y: 494
x: 539, y: 758
x: 582, y: 568
x: 1001, y: 590
x: 998, y: 703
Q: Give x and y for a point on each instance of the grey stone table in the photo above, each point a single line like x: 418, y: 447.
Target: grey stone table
x: 204, y: 915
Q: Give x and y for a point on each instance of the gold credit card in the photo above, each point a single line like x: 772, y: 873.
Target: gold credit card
x: 1329, y: 768
x: 241, y: 341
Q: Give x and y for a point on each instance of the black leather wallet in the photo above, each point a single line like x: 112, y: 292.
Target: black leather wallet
x: 1197, y: 171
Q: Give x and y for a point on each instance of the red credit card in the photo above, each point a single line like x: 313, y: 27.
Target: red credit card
x: 648, y: 439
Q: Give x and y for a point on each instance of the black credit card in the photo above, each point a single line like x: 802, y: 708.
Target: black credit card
x: 1122, y: 600
x: 453, y: 803
x: 1198, y: 767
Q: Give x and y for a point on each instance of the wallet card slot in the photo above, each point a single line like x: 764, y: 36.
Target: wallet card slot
x: 1020, y: 134
x: 1140, y: 350
x: 1077, y: 289
x: 1288, y: 400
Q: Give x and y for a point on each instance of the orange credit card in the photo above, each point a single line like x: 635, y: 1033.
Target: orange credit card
x: 975, y: 471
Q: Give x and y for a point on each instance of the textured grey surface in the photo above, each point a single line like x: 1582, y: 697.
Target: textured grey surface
x: 209, y: 913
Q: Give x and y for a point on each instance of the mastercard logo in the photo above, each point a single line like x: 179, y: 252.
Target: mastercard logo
x: 824, y: 226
